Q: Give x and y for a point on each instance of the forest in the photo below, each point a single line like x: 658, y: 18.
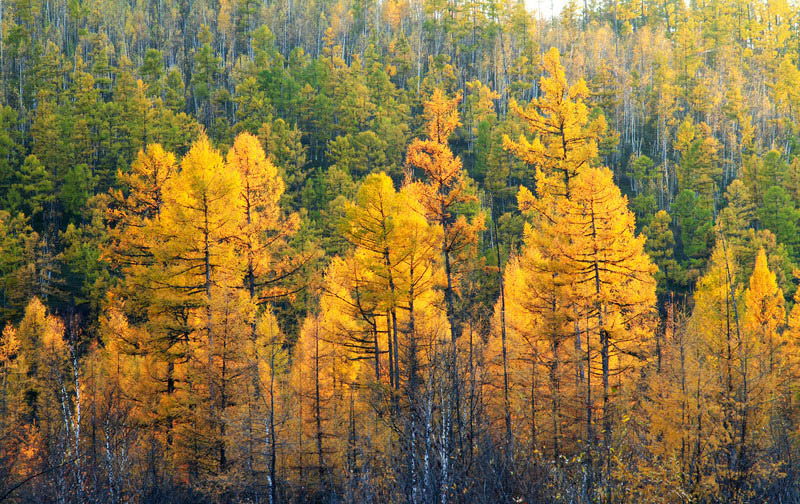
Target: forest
x: 424, y: 251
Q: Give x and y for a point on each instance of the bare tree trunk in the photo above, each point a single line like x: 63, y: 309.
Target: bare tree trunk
x: 77, y: 424
x: 445, y: 448
x: 427, y: 476
x: 390, y: 347
x: 605, y: 458
x: 589, y: 429
x: 412, y: 391
x: 740, y: 453
x: 556, y: 396
x: 317, y: 406
x: 506, y: 402
x: 453, y: 409
x: 270, y: 434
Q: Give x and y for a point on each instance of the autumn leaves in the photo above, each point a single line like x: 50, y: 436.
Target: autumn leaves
x: 390, y: 373
x: 199, y: 245
x: 382, y: 359
x: 581, y: 294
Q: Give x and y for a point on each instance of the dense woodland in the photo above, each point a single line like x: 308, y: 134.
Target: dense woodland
x: 399, y: 251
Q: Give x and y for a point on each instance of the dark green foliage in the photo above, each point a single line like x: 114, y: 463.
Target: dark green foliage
x: 660, y: 247
x: 78, y: 187
x: 31, y: 192
x: 695, y: 223
x: 779, y: 214
x: 18, y: 269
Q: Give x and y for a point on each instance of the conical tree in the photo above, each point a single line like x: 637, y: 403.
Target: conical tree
x: 584, y: 237
x: 565, y: 138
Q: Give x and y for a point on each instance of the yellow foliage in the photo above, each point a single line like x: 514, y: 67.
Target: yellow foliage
x: 565, y: 139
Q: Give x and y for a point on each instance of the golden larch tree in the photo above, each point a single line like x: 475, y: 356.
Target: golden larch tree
x: 565, y: 138
x: 446, y: 189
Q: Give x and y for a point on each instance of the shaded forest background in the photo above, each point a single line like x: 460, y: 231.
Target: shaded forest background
x: 409, y: 250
